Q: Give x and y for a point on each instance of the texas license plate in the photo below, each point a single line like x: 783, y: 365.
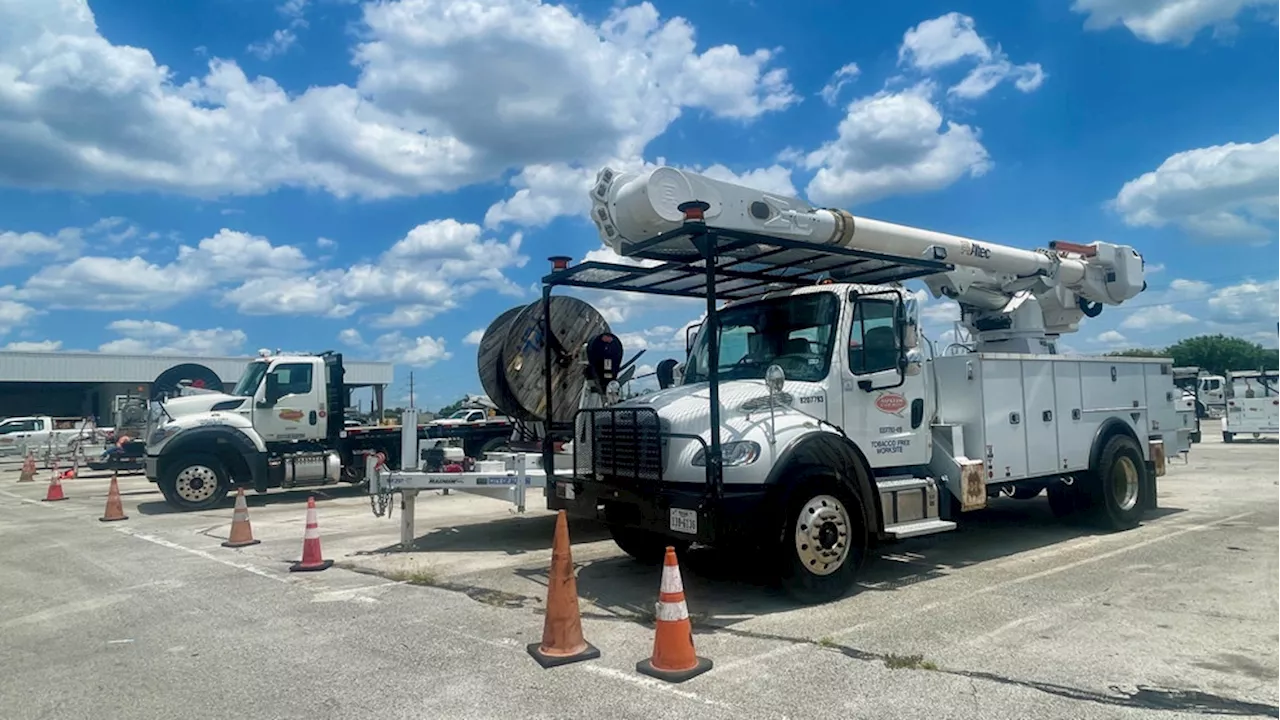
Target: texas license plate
x: 684, y: 521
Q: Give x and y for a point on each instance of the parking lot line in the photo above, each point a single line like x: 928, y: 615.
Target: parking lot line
x: 201, y: 553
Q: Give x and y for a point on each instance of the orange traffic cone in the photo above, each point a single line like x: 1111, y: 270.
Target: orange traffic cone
x: 241, y: 530
x: 28, y: 473
x: 674, y: 659
x: 311, y: 559
x: 55, y: 489
x: 562, y: 640
x: 115, y: 510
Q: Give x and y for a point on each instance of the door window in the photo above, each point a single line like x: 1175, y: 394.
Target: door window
x: 873, y: 337
x: 17, y: 427
x: 294, y: 379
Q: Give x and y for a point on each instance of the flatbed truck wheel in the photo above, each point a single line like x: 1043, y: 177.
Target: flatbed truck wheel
x: 824, y: 543
x: 1114, y: 488
x: 647, y: 548
x: 196, y: 481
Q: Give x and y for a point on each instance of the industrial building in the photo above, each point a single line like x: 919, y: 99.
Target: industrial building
x: 86, y: 384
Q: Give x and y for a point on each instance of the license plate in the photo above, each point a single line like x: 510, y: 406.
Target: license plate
x: 684, y: 521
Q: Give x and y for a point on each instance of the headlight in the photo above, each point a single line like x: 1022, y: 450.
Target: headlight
x: 162, y: 433
x: 742, y: 452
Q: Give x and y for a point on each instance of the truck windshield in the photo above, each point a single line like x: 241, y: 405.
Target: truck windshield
x: 248, y: 383
x: 795, y: 332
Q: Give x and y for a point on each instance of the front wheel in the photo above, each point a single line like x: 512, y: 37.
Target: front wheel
x: 195, y: 482
x: 824, y: 543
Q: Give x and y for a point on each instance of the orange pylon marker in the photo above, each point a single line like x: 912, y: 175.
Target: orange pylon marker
x: 115, y: 509
x: 55, y: 489
x: 674, y: 659
x: 562, y: 640
x: 311, y: 559
x: 241, y: 530
x: 28, y: 473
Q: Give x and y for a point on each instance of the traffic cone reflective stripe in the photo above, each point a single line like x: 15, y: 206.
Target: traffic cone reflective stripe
x: 241, y: 530
x: 562, y: 640
x: 311, y: 557
x: 674, y: 659
x: 115, y: 509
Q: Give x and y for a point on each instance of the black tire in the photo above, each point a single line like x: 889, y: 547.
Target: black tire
x: 1195, y: 437
x: 1228, y: 437
x: 195, y: 481
x: 1064, y: 499
x: 498, y: 444
x: 1115, y: 488
x: 805, y: 544
x: 647, y: 548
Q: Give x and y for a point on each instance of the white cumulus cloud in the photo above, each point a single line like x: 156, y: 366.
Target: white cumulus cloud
x: 1166, y: 21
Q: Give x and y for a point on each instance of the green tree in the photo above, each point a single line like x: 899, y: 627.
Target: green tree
x: 1217, y: 354
x: 1138, y: 352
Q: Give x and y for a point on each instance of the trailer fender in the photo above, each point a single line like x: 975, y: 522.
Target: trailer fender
x: 1115, y: 426
x: 832, y: 452
x: 240, y: 456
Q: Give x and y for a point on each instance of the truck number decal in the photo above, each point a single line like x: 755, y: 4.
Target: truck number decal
x: 811, y: 399
x: 890, y: 429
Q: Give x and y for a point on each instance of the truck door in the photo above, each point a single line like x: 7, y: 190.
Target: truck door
x: 884, y: 406
x: 288, y: 402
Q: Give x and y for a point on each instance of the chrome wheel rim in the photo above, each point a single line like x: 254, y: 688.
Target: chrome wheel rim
x: 1124, y: 483
x: 822, y: 535
x: 196, y: 483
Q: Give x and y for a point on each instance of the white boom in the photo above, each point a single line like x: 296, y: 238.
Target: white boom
x: 1011, y: 299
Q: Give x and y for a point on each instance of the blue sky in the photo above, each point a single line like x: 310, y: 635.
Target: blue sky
x: 217, y: 176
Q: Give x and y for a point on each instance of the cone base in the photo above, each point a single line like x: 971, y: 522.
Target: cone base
x: 54, y: 499
x: 550, y: 661
x: 104, y: 518
x: 313, y: 567
x: 242, y: 543
x: 645, y: 667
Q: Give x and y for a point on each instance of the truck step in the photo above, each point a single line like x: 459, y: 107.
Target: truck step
x: 916, y: 528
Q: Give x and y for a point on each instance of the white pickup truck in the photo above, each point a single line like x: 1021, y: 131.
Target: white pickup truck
x: 47, y: 436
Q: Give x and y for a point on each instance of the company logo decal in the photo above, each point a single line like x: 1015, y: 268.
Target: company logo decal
x: 891, y: 403
x: 291, y: 415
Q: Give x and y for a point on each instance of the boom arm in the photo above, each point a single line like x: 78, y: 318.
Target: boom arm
x: 1010, y: 298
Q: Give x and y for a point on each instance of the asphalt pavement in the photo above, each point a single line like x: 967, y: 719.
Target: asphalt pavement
x: 1015, y: 616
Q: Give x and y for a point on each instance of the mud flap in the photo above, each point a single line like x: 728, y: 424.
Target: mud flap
x: 1150, y: 487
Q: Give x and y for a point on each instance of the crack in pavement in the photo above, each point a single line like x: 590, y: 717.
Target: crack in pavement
x: 1142, y: 698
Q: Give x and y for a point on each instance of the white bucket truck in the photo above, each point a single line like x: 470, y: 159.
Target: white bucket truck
x: 1252, y: 405
x: 807, y: 420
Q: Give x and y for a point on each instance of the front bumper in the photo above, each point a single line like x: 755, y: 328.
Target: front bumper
x: 742, y: 513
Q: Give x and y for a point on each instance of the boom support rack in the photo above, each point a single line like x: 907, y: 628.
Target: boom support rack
x: 697, y: 261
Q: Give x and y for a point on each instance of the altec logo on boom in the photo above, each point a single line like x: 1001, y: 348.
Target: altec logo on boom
x: 892, y: 403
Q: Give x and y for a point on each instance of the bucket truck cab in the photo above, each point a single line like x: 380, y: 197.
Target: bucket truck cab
x: 1252, y: 405
x: 281, y: 425
x: 810, y: 423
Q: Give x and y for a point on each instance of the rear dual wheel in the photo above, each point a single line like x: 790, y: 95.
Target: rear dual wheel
x: 1111, y: 495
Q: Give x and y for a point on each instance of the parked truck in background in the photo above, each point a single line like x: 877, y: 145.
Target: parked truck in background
x: 1252, y: 404
x: 283, y: 425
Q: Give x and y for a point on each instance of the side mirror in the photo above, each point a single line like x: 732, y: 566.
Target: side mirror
x: 774, y: 378
x: 272, y: 390
x: 910, y: 323
x: 914, y: 362
x: 690, y: 334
